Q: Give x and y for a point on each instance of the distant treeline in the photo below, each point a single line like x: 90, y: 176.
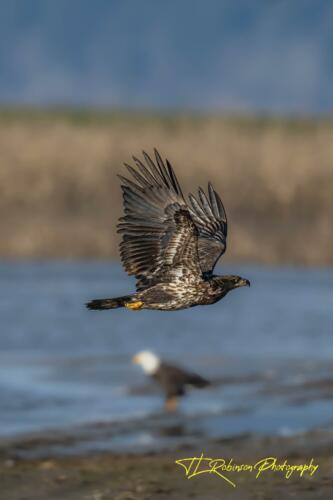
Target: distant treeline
x: 60, y: 197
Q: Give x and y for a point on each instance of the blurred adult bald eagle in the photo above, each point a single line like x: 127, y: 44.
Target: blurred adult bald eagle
x: 170, y: 245
x: 173, y: 379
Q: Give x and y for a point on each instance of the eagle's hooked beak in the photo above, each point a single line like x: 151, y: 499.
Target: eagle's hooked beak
x: 135, y: 360
x: 244, y: 282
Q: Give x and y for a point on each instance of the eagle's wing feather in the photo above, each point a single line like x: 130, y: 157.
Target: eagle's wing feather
x: 159, y: 237
x: 210, y: 219
x: 174, y: 379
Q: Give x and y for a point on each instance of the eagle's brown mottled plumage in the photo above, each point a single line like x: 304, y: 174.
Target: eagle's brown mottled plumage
x: 171, y: 246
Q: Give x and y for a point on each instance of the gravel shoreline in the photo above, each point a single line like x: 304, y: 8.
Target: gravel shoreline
x: 101, y: 476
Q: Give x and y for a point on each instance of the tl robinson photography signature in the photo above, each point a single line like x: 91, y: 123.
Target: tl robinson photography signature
x: 223, y: 468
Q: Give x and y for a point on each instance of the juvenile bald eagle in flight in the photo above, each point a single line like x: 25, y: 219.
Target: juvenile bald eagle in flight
x: 173, y: 380
x: 169, y: 244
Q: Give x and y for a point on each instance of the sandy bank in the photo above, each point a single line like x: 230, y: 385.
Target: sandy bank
x: 60, y: 196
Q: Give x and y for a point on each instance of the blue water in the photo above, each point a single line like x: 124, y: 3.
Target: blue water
x: 65, y: 368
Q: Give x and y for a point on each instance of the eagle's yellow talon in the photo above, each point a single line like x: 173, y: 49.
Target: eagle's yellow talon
x: 134, y: 306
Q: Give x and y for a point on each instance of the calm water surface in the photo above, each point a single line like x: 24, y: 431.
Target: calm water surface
x: 268, y: 350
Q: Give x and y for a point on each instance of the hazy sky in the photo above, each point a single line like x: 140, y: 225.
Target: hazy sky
x: 241, y: 55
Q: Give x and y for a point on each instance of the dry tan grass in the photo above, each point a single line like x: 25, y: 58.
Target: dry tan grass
x: 60, y: 196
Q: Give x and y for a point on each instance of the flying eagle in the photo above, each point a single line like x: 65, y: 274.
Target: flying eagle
x: 169, y: 244
x: 171, y: 378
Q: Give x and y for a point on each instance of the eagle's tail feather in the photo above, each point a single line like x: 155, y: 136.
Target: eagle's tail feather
x: 197, y: 381
x: 100, y: 304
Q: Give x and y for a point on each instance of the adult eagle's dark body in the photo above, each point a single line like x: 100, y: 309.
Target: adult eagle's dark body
x: 171, y: 246
x: 173, y: 380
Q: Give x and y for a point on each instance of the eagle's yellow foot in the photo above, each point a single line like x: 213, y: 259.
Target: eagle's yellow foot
x: 134, y: 306
x: 171, y: 404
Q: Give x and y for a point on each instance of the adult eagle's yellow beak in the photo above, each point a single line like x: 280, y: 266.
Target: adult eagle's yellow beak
x: 135, y: 360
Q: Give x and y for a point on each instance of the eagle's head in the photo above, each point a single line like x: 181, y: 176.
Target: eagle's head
x: 232, y: 282
x: 148, y: 361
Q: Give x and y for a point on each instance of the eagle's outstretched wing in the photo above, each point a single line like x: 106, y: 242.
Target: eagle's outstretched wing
x: 211, y: 221
x: 161, y: 232
x: 159, y: 238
